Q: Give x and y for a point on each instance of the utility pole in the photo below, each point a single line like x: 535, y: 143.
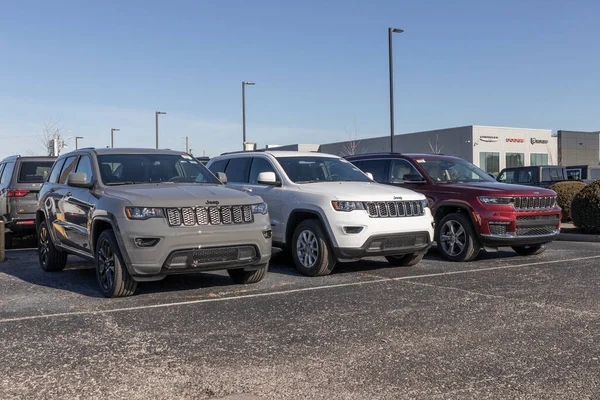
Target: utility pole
x: 390, y: 31
x: 187, y: 145
x: 244, y: 113
x: 77, y: 141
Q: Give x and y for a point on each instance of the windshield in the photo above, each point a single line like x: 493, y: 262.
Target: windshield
x: 453, y: 171
x: 320, y: 169
x: 121, y: 169
x: 34, y: 171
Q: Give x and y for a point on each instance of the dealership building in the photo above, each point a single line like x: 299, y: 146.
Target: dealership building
x: 490, y: 148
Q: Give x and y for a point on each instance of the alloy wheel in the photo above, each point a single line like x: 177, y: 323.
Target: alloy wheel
x: 106, y: 265
x: 453, y: 238
x: 307, y: 249
x: 43, y: 246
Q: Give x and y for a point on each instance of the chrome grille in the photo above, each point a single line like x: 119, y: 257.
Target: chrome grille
x: 393, y: 209
x: 190, y: 216
x: 534, y: 203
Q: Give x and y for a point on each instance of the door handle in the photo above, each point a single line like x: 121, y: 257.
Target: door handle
x: 247, y: 190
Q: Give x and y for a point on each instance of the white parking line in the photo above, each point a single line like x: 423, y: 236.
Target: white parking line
x: 291, y: 291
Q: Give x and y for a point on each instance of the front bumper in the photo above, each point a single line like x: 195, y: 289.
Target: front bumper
x: 149, y: 263
x: 388, y: 245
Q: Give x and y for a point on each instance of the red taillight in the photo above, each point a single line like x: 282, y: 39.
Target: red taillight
x: 18, y: 193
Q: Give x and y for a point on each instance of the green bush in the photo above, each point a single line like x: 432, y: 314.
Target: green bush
x: 566, y: 192
x: 585, y: 208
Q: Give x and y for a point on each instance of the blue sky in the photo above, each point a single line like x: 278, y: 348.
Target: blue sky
x: 320, y: 69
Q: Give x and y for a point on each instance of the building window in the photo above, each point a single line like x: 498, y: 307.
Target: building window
x: 538, y: 159
x: 515, y: 160
x: 489, y: 162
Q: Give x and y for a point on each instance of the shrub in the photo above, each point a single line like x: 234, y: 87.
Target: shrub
x: 566, y: 192
x: 585, y: 208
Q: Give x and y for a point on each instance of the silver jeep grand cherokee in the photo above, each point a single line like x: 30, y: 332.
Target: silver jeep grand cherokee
x: 143, y: 214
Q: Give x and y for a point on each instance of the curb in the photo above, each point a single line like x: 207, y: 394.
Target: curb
x: 578, y: 237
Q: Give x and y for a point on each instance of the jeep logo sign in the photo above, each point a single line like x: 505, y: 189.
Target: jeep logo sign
x: 212, y: 203
x: 397, y: 197
x: 538, y: 141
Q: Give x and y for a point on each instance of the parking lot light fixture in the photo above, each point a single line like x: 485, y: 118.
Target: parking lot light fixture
x: 112, y: 136
x: 390, y: 31
x: 157, y: 114
x: 77, y: 141
x: 244, y: 112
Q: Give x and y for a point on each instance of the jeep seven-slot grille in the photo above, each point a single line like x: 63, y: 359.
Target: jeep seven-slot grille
x: 393, y: 209
x: 224, y: 215
x: 534, y: 203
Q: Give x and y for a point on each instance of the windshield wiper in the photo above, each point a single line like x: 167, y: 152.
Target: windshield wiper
x: 124, y: 183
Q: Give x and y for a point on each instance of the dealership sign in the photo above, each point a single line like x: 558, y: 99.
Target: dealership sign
x: 488, y: 138
x: 515, y: 140
x: 538, y: 141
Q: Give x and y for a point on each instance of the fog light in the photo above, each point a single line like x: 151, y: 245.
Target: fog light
x: 146, y: 242
x: 353, y: 229
x: 267, y: 234
x: 375, y: 245
x: 178, y: 262
x: 246, y: 253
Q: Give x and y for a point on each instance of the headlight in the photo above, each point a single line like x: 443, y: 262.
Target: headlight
x: 425, y: 203
x: 143, y: 212
x: 347, y: 205
x: 502, y: 201
x: 260, y: 208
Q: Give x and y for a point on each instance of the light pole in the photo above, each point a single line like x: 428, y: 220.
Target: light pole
x: 244, y: 112
x: 157, y: 114
x: 76, y: 141
x: 112, y: 136
x: 390, y: 31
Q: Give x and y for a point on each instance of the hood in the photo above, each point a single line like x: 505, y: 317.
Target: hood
x: 180, y: 195
x: 493, y: 188
x: 360, y: 191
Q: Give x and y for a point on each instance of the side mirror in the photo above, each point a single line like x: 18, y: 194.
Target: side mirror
x: 369, y: 175
x: 267, y: 178
x: 413, y: 178
x: 79, y: 179
x: 222, y: 177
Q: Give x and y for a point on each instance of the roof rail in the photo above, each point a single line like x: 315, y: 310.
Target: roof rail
x: 245, y: 151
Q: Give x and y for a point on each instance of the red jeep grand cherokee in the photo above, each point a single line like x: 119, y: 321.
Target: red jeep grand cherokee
x: 472, y: 211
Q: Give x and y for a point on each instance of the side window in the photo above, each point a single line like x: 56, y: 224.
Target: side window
x: 1, y: 168
x: 259, y: 165
x: 402, y: 171
x: 68, y: 168
x: 358, y: 164
x: 56, y: 170
x: 594, y: 174
x: 525, y: 176
x: 85, y: 165
x: 218, y: 166
x: 507, y: 177
x: 377, y: 168
x: 7, y: 173
x: 237, y: 170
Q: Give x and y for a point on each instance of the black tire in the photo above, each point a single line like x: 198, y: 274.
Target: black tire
x: 242, y: 277
x: 529, y: 250
x: 311, y: 241
x: 51, y: 259
x: 113, y: 278
x: 407, y: 260
x: 8, y: 240
x: 452, y: 250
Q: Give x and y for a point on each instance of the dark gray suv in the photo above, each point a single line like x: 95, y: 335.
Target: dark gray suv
x: 21, y: 179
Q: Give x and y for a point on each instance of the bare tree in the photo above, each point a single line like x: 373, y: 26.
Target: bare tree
x: 352, y: 147
x: 51, y: 138
x: 435, y: 149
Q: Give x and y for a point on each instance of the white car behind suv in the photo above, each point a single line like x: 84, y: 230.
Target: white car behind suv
x: 323, y: 209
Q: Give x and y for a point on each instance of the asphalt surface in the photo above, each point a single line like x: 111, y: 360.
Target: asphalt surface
x: 503, y: 326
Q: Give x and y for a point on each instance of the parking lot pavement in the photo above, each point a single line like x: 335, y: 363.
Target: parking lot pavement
x: 501, y: 327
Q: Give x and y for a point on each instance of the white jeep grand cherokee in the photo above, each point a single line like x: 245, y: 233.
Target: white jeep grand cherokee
x: 323, y: 209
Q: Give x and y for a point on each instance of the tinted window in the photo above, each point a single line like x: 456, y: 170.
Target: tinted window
x: 507, y: 176
x: 525, y: 176
x: 259, y: 165
x: 377, y: 168
x: 121, y: 169
x: 34, y: 171
x: 7, y: 173
x: 574, y: 174
x: 453, y: 170
x: 68, y: 168
x: 402, y: 171
x: 56, y: 170
x: 218, y: 166
x: 1, y: 168
x: 237, y: 170
x: 85, y: 165
x: 552, y: 174
x: 320, y: 169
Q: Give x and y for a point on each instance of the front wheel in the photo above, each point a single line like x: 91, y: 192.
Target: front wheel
x: 310, y: 250
x: 111, y: 272
x: 529, y: 250
x: 456, y: 238
x: 407, y: 260
x: 240, y: 276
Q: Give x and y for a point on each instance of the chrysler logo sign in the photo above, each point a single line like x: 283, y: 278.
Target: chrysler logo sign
x: 538, y: 141
x: 488, y: 138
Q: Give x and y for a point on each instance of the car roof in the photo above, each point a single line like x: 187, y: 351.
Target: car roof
x: 29, y: 158
x: 121, y: 150
x: 399, y: 155
x: 280, y: 153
